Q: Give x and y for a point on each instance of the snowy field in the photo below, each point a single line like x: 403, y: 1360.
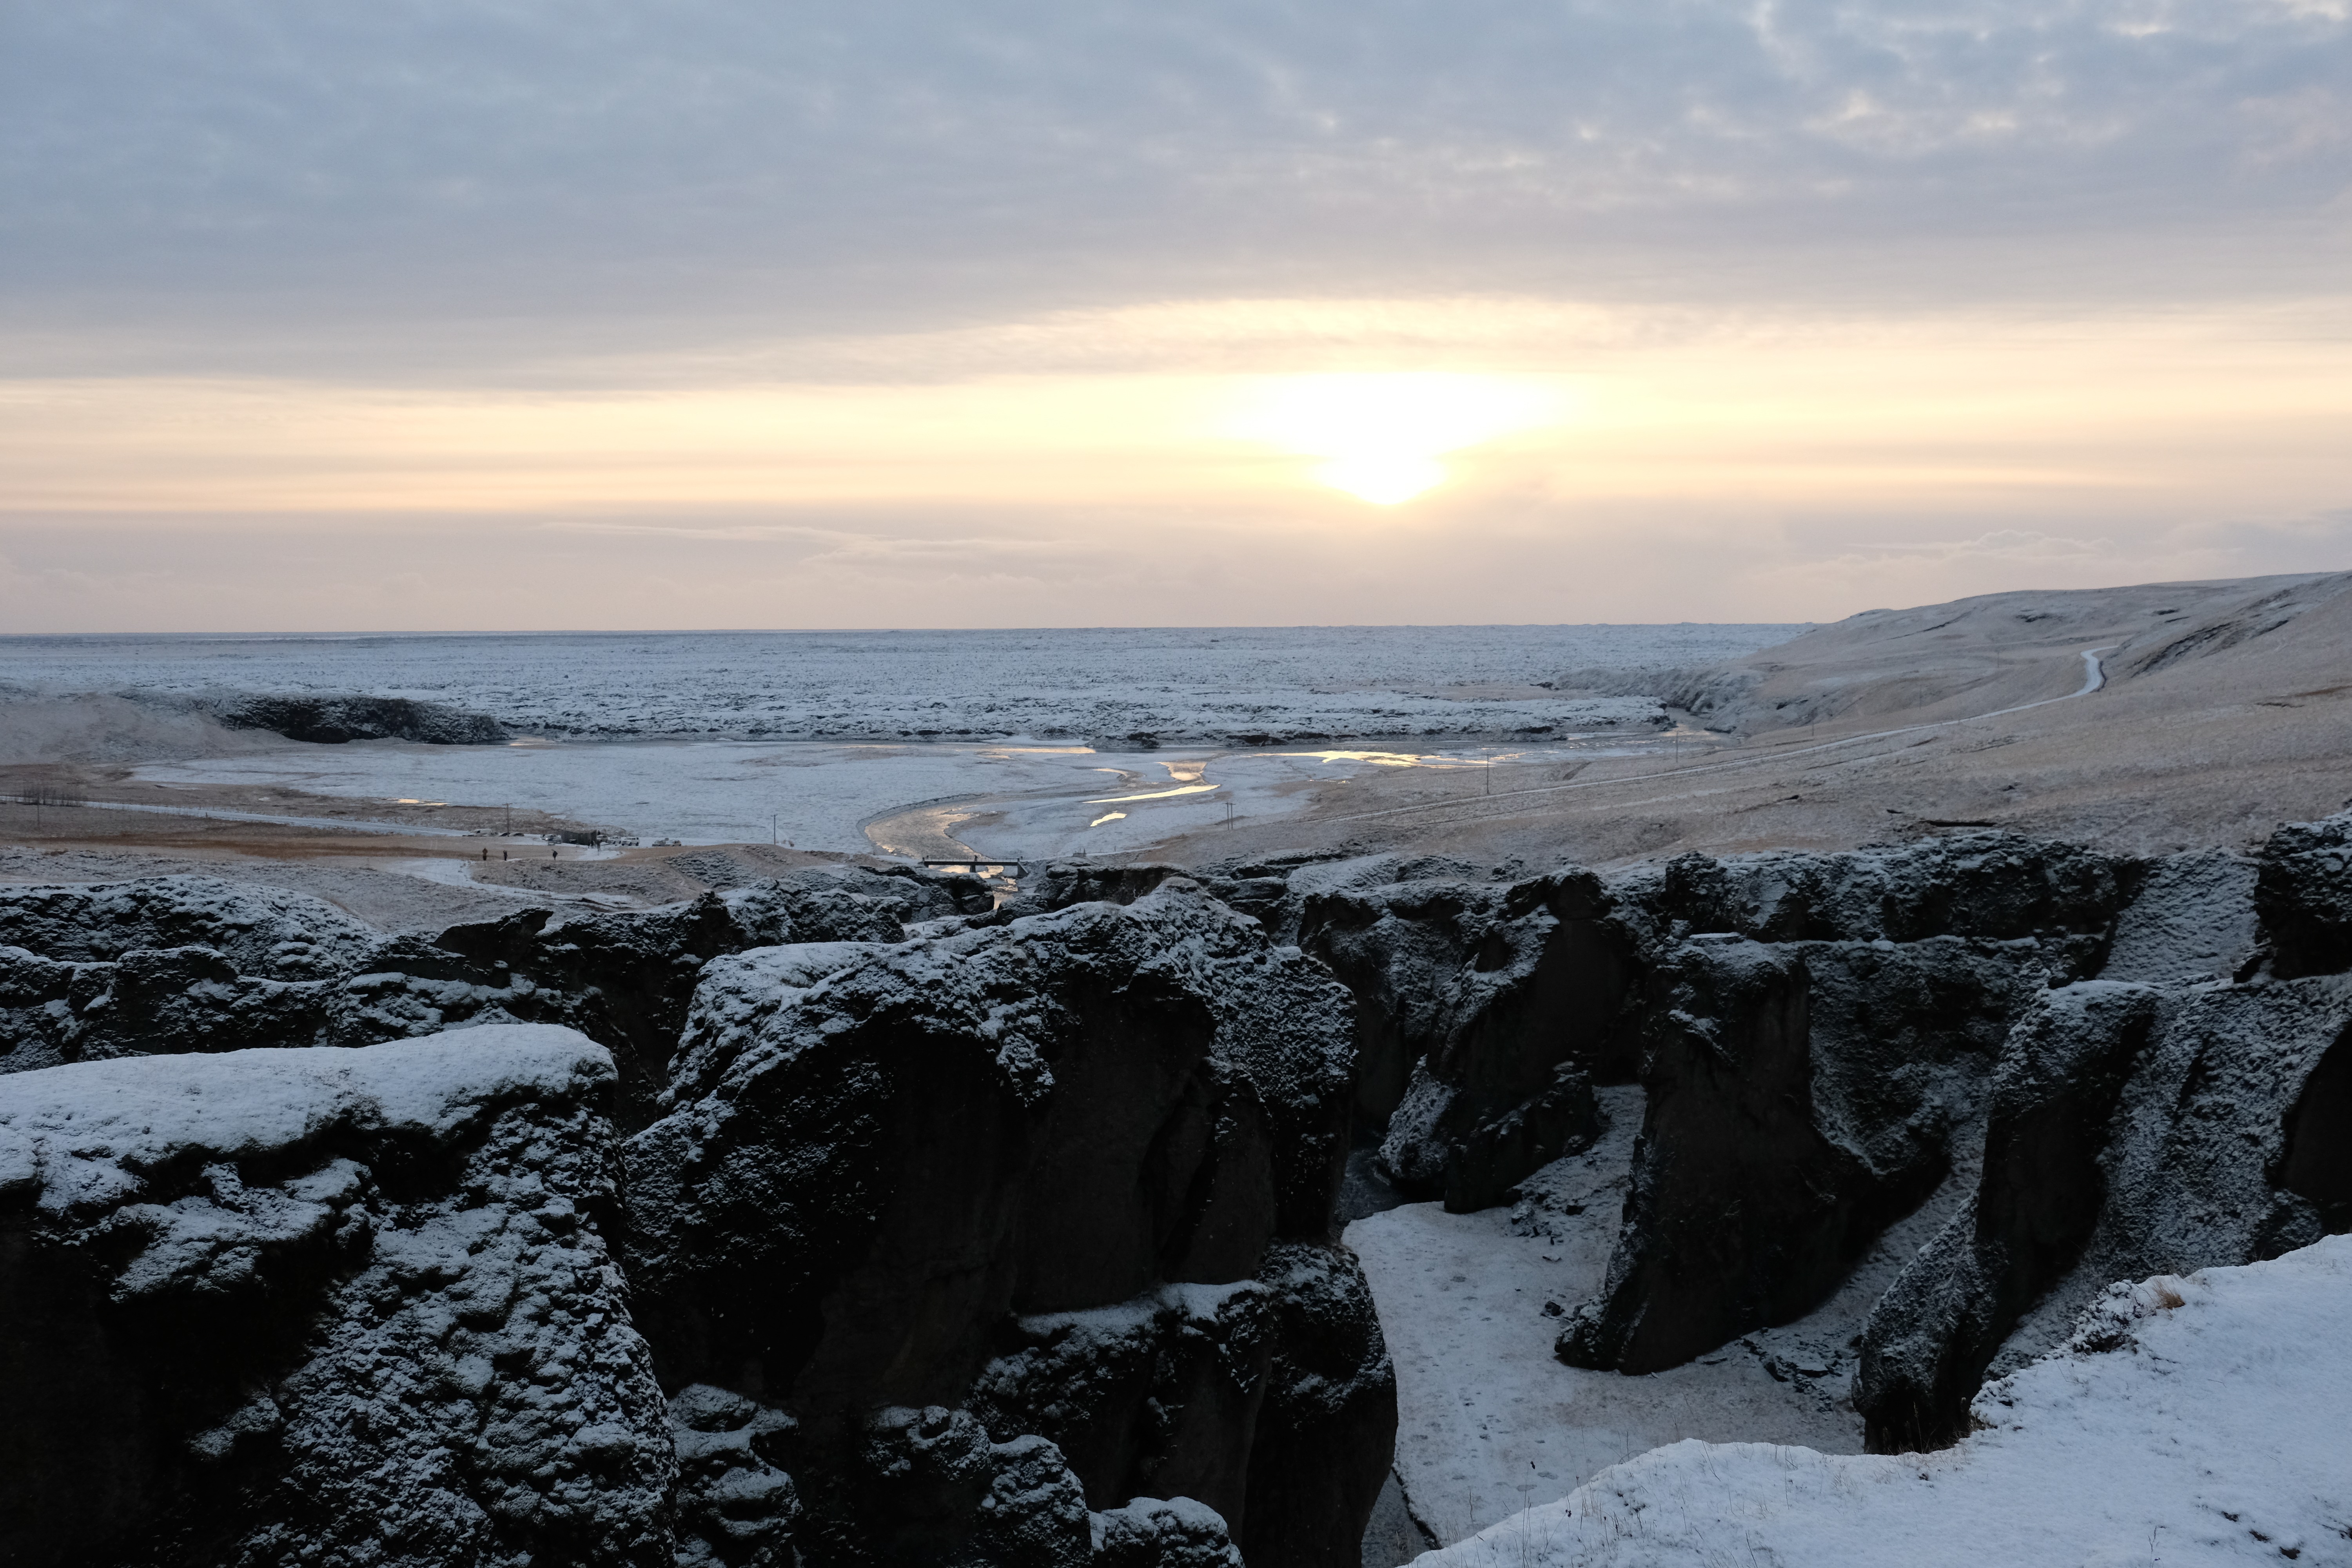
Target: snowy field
x: 1211, y: 686
x: 2193, y: 1421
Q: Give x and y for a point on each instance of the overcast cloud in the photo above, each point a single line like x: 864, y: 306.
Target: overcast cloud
x: 899, y: 162
x: 1860, y: 300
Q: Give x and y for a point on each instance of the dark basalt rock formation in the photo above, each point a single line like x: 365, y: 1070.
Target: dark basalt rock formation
x: 261, y: 931
x: 1006, y: 1247
x: 2134, y: 1131
x: 1536, y: 1012
x: 1327, y: 1428
x: 331, y: 720
x: 178, y: 964
x: 1990, y: 885
x: 1819, y: 1029
x: 1471, y: 1149
x: 1396, y: 943
x: 1801, y: 1097
x: 282, y: 1306
x: 1058, y: 884
x: 1485, y: 1010
x: 1481, y: 1006
x: 2186, y: 1110
x: 962, y: 1235
x: 1030, y: 1180
x: 2304, y: 897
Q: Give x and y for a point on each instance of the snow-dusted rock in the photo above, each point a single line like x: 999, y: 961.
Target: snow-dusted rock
x: 2305, y: 896
x: 265, y: 933
x: 2132, y: 1130
x: 1473, y: 995
x: 1147, y: 1398
x: 1398, y: 947
x: 1818, y: 1030
x: 278, y: 1305
x: 1534, y: 1010
x: 1326, y: 1430
x: 1483, y: 1008
x: 331, y: 720
x: 735, y: 1507
x: 1034, y: 1515
x: 1991, y: 885
x: 2194, y: 1419
x: 1156, y: 1532
x: 2191, y: 918
x: 184, y: 963
x: 151, y: 1001
x: 1471, y: 1149
x: 1801, y: 1096
x: 1058, y: 884
x: 869, y: 1171
x: 736, y: 994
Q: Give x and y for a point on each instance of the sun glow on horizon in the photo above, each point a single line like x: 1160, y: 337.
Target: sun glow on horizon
x: 1383, y: 479
x: 1383, y: 434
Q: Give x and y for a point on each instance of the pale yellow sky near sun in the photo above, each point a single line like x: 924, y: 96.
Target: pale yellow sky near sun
x: 1253, y: 402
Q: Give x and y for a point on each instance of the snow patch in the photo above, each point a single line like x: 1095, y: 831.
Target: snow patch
x: 2196, y: 1420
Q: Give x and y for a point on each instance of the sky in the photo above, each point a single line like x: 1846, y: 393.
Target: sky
x: 512, y: 314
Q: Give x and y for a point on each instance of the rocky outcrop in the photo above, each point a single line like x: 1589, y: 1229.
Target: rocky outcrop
x: 177, y: 964
x: 1822, y: 1031
x: 1536, y: 1012
x: 1058, y: 884
x: 265, y: 933
x: 1819, y: 1030
x: 963, y: 1235
x: 2198, y: 1119
x: 358, y: 1306
x: 2304, y: 897
x: 2192, y: 919
x: 1148, y: 1397
x: 1481, y: 1006
x: 1484, y: 1011
x: 1029, y: 1181
x: 1990, y: 885
x: 1325, y: 1430
x: 1800, y: 1098
x: 2133, y: 1130
x: 1471, y: 1151
x: 331, y: 720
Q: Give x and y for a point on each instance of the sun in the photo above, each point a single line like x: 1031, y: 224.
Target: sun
x: 1383, y: 479
x: 1381, y: 435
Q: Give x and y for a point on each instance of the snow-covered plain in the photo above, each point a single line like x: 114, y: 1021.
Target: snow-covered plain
x: 1212, y: 686
x: 2196, y: 1420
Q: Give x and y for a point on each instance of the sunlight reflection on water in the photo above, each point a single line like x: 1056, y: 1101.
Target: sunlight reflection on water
x: 1155, y: 795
